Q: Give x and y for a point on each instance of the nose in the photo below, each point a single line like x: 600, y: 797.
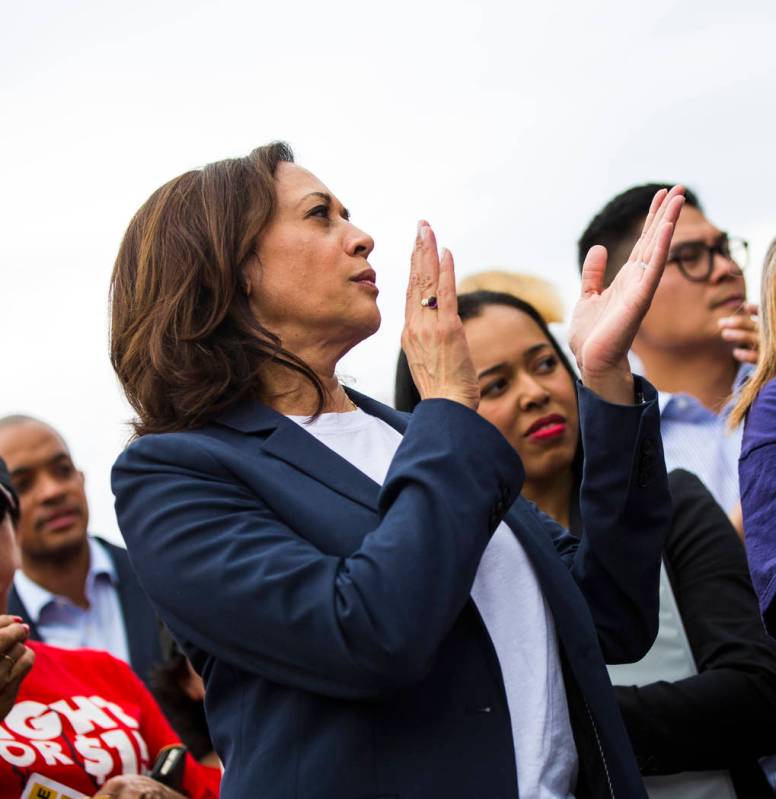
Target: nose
x: 359, y: 242
x: 532, y: 394
x: 50, y: 490
x: 723, y: 269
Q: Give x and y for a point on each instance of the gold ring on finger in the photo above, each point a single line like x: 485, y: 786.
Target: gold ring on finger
x: 429, y: 302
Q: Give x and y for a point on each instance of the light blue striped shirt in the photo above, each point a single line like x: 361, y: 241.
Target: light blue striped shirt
x: 62, y: 623
x: 695, y: 439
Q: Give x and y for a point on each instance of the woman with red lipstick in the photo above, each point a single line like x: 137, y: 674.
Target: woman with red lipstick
x: 711, y: 711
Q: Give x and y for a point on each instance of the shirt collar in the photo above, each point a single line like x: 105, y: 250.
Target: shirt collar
x: 35, y: 597
x: 665, y: 398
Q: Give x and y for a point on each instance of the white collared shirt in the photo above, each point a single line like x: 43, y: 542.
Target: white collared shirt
x: 62, y: 623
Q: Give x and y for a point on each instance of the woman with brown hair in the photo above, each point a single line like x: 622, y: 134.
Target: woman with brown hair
x: 372, y: 608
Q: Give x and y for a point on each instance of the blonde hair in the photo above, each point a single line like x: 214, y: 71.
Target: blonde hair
x: 766, y: 365
x: 534, y: 290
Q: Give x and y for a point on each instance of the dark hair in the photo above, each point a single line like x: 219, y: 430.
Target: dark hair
x: 186, y: 715
x: 619, y: 224
x: 9, y: 500
x: 471, y: 305
x: 184, y: 342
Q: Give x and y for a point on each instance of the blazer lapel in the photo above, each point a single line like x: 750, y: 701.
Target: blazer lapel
x: 139, y: 627
x: 16, y: 608
x: 289, y: 442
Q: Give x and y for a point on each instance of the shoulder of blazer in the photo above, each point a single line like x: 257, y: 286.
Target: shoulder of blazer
x: 16, y: 608
x: 139, y: 616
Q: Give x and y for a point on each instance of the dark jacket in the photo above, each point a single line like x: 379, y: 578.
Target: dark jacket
x: 139, y: 617
x: 330, y: 617
x: 725, y: 716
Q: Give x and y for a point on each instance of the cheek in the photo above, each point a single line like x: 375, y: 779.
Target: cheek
x: 501, y: 414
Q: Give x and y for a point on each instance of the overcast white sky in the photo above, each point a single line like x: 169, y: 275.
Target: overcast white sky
x: 506, y: 124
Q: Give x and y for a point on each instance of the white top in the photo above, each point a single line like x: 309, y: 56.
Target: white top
x: 62, y: 623
x: 516, y: 616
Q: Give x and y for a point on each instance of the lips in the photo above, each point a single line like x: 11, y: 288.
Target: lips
x: 731, y: 301
x: 550, y: 426
x: 367, y: 278
x: 62, y: 519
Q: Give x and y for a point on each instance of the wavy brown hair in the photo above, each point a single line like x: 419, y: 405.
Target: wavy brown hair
x: 184, y: 342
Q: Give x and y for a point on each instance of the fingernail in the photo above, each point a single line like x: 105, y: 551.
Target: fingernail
x: 26, y: 627
x: 442, y: 253
x: 424, y: 232
x: 17, y: 619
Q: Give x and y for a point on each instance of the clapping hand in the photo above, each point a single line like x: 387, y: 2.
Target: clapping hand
x: 15, y: 660
x: 135, y: 786
x: 433, y: 338
x: 605, y: 320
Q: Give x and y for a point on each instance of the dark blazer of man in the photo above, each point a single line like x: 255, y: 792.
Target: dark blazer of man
x: 330, y: 617
x: 139, y: 617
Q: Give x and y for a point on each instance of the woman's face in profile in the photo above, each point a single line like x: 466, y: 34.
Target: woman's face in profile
x: 525, y: 390
x: 312, y: 284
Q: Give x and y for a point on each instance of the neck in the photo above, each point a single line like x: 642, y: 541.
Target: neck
x: 64, y: 577
x: 552, y: 495
x: 289, y: 393
x: 704, y: 373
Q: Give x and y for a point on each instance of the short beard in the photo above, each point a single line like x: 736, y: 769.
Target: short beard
x: 60, y: 555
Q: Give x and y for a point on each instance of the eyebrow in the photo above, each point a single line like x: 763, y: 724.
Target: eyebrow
x: 695, y: 242
x: 22, y: 470
x: 501, y: 366
x: 327, y: 198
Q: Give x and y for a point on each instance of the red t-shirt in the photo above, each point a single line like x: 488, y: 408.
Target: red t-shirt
x: 81, y: 717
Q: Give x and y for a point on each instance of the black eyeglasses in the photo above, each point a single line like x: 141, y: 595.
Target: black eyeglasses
x: 695, y: 259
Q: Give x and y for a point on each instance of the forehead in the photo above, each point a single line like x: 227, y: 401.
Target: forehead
x: 293, y: 182
x: 501, y: 333
x: 692, y: 225
x: 29, y: 444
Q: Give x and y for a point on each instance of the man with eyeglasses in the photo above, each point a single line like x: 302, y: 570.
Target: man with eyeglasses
x: 698, y: 342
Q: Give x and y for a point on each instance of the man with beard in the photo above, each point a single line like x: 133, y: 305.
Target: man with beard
x: 74, y: 590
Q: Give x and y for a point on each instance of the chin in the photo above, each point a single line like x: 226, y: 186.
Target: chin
x: 370, y: 324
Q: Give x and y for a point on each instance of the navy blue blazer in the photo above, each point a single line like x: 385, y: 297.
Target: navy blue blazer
x: 330, y: 617
x: 139, y: 617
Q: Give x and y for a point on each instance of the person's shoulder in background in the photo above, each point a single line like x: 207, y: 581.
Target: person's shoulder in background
x: 760, y: 426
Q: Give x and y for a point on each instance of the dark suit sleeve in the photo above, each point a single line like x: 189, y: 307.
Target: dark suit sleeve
x: 625, y: 509
x: 236, y: 582
x: 727, y: 712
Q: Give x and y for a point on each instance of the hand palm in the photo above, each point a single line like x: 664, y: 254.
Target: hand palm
x: 605, y: 320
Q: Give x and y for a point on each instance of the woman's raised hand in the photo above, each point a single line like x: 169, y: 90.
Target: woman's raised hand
x: 433, y: 338
x: 605, y: 320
